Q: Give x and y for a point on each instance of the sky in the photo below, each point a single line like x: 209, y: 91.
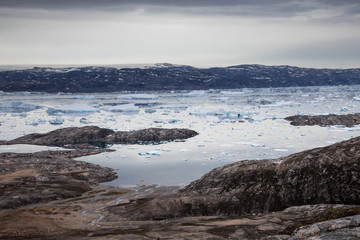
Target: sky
x: 202, y: 33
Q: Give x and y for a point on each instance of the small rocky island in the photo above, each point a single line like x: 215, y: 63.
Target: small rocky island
x: 314, y: 194
x: 348, y: 120
x: 95, y: 136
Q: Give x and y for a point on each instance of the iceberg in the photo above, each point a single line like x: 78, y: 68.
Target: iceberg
x: 155, y: 153
x: 220, y: 112
x: 220, y: 99
x: 72, y: 108
x: 169, y: 121
x: 259, y: 101
x: 56, y: 121
x: 150, y: 110
x: 137, y: 97
x: 173, y: 107
x: 22, y: 114
x: 282, y: 104
x: 124, y: 108
x: 84, y: 121
x: 17, y: 107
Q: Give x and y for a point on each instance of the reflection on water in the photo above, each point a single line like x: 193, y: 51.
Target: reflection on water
x: 27, y: 148
x: 233, y: 125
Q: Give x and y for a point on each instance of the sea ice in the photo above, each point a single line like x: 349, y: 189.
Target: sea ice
x: 137, y: 97
x: 169, y: 121
x: 72, y: 108
x: 220, y: 99
x: 259, y: 101
x: 195, y: 93
x: 57, y: 121
x: 173, y: 107
x: 231, y: 93
x: 84, y: 121
x: 280, y: 150
x: 150, y: 110
x: 155, y: 153
x: 17, y: 107
x: 220, y: 112
x: 21, y: 114
x: 125, y: 108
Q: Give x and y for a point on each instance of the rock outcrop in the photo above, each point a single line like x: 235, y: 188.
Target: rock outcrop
x: 348, y: 120
x: 101, y: 136
x: 342, y: 228
x: 27, y: 178
x: 327, y: 175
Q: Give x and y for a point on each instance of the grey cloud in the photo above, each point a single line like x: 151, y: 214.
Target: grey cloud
x: 262, y: 8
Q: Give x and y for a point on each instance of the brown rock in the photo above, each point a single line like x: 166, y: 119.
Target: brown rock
x: 348, y: 120
x: 100, y: 136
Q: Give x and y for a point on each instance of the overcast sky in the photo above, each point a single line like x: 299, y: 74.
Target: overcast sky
x: 308, y: 33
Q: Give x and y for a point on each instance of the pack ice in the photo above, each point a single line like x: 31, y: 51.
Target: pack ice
x: 17, y: 107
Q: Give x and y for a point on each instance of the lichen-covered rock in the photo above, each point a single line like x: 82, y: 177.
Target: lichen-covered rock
x: 27, y: 178
x: 348, y: 120
x: 323, y: 175
x: 327, y: 175
x: 100, y: 136
x: 342, y: 228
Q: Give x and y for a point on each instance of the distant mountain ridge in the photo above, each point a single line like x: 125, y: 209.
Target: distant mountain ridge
x: 170, y: 77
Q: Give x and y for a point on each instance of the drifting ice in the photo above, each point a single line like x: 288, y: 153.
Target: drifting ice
x: 57, y: 121
x: 137, y: 97
x: 127, y: 108
x: 17, y: 107
x: 72, y: 108
x: 196, y: 93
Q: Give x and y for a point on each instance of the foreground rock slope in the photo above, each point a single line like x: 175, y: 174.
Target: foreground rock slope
x: 100, y: 136
x: 328, y: 175
x: 313, y: 194
x: 27, y: 178
x: 348, y: 120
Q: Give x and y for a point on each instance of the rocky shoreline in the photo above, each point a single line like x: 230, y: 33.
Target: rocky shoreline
x: 313, y: 194
x: 348, y: 120
x: 95, y: 136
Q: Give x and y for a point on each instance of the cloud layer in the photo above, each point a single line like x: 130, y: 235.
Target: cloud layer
x: 320, y: 33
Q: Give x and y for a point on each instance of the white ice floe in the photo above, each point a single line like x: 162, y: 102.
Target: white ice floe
x: 172, y: 107
x: 155, y: 153
x: 72, y: 108
x: 195, y: 93
x: 124, y: 108
x: 280, y: 150
x: 282, y: 104
x: 21, y: 114
x: 57, y: 121
x: 17, y: 107
x: 137, y: 97
x: 219, y: 112
x: 169, y: 121
x: 84, y: 121
x: 220, y: 99
x: 231, y: 93
x: 150, y: 110
x: 260, y: 101
x: 344, y: 109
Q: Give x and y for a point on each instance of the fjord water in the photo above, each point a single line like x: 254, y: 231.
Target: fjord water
x: 233, y: 125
